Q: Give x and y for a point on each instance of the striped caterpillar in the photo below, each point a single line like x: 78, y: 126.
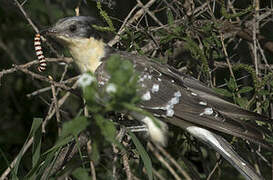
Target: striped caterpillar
x: 39, y: 53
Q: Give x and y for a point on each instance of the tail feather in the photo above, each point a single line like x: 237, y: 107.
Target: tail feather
x: 224, y: 148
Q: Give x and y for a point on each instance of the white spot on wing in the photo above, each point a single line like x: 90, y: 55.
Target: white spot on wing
x: 141, y: 79
x: 170, y: 112
x: 194, y: 94
x: 174, y: 100
x: 145, y: 76
x: 170, y: 105
x: 207, y: 111
x: 155, y: 88
x: 146, y: 96
x: 177, y: 94
x: 203, y: 103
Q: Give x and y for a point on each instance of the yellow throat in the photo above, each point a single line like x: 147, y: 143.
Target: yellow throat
x: 87, y: 52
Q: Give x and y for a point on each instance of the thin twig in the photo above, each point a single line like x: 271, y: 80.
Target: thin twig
x: 254, y: 36
x: 114, y: 170
x: 163, y: 161
x: 150, y: 13
x: 43, y: 78
x: 42, y: 90
x: 37, y: 92
x: 92, y: 166
x: 11, y: 166
x: 57, y: 110
x: 137, y: 15
x: 214, y: 169
x: 26, y: 16
x: 31, y: 63
x: 60, y: 102
x: 158, y: 175
x: 125, y: 161
x: 172, y: 160
x: 227, y: 58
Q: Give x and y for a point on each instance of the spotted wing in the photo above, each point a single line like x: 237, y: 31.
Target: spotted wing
x: 175, y: 98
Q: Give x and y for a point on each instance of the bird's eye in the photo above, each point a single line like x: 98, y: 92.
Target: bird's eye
x: 72, y: 28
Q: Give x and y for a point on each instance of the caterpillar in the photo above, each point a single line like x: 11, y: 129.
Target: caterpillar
x: 39, y: 53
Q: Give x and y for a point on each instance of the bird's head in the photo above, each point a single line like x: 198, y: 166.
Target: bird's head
x: 84, y: 42
x: 71, y: 29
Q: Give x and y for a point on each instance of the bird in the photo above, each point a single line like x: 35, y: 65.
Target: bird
x: 170, y: 95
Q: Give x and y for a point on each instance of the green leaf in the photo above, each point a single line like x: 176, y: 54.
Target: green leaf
x: 170, y: 17
x: 263, y: 92
x: 113, y: 63
x: 37, y: 135
x: 107, y: 127
x: 242, y: 101
x: 232, y: 85
x: 81, y: 174
x: 95, y: 155
x: 143, y: 154
x: 223, y: 92
x: 49, y: 160
x: 61, y: 142
x: 74, y: 127
x: 265, y: 105
x: 245, y: 89
x: 34, y: 127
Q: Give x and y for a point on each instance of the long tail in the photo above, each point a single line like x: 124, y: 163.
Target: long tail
x: 223, y: 147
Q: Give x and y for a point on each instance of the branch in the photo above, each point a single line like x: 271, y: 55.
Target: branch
x: 137, y: 15
x: 31, y: 63
x: 26, y: 16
